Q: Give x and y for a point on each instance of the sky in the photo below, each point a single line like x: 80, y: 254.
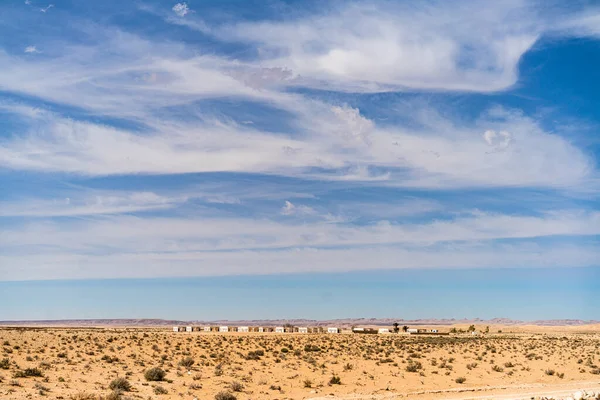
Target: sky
x: 342, y: 157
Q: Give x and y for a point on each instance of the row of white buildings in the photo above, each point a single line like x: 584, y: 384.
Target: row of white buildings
x: 259, y: 329
x: 296, y: 329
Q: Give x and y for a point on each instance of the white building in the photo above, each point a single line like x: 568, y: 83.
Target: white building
x: 333, y: 330
x: 175, y: 329
x: 434, y: 331
x: 279, y: 329
x: 243, y: 329
x: 261, y: 329
x: 206, y: 329
x: 188, y: 329
x: 412, y: 330
x: 383, y: 330
x: 223, y: 329
x: 302, y: 330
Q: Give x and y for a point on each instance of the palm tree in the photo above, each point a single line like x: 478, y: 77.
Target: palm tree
x: 396, y: 325
x: 405, y: 328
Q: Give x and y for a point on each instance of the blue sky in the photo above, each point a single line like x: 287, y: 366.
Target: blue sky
x: 163, y: 144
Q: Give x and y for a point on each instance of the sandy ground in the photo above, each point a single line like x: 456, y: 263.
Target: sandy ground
x: 522, y: 362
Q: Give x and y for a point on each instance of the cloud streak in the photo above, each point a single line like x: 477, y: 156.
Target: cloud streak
x: 258, y: 145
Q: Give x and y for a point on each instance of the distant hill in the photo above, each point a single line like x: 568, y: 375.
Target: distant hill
x: 337, y: 322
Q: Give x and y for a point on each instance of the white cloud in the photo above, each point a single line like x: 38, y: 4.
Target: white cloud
x: 377, y: 46
x: 31, y: 49
x: 218, y: 246
x: 290, y: 209
x: 181, y: 9
x: 45, y: 9
x: 499, y: 140
x: 334, y: 144
x: 90, y: 203
x: 137, y: 234
x: 166, y: 264
x: 157, y: 84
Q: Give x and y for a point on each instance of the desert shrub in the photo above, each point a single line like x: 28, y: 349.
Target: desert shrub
x: 225, y: 396
x: 335, y: 380
x: 4, y: 363
x: 274, y: 387
x: 236, y: 386
x: 549, y: 372
x: 509, y: 364
x: 348, y: 367
x: 41, y: 388
x: 253, y: 355
x: 414, y: 366
x: 460, y: 380
x: 114, y: 395
x: 160, y: 390
x: 120, y: 384
x: 28, y: 372
x: 497, y: 368
x: 155, y: 374
x: 219, y: 370
x: 186, y: 362
x: 311, y: 348
x: 82, y: 396
x: 307, y: 383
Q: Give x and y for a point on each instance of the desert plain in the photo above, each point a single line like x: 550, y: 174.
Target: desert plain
x: 154, y: 363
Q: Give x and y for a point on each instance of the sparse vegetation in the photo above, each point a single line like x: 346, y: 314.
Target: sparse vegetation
x: 108, y: 363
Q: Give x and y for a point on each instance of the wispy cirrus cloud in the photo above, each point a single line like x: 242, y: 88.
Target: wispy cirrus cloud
x: 189, y: 245
x: 117, y: 106
x: 80, y: 204
x: 380, y: 46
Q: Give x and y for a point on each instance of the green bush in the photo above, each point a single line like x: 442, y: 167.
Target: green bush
x: 335, y: 380
x: 4, y: 363
x: 460, y: 380
x: 155, y: 374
